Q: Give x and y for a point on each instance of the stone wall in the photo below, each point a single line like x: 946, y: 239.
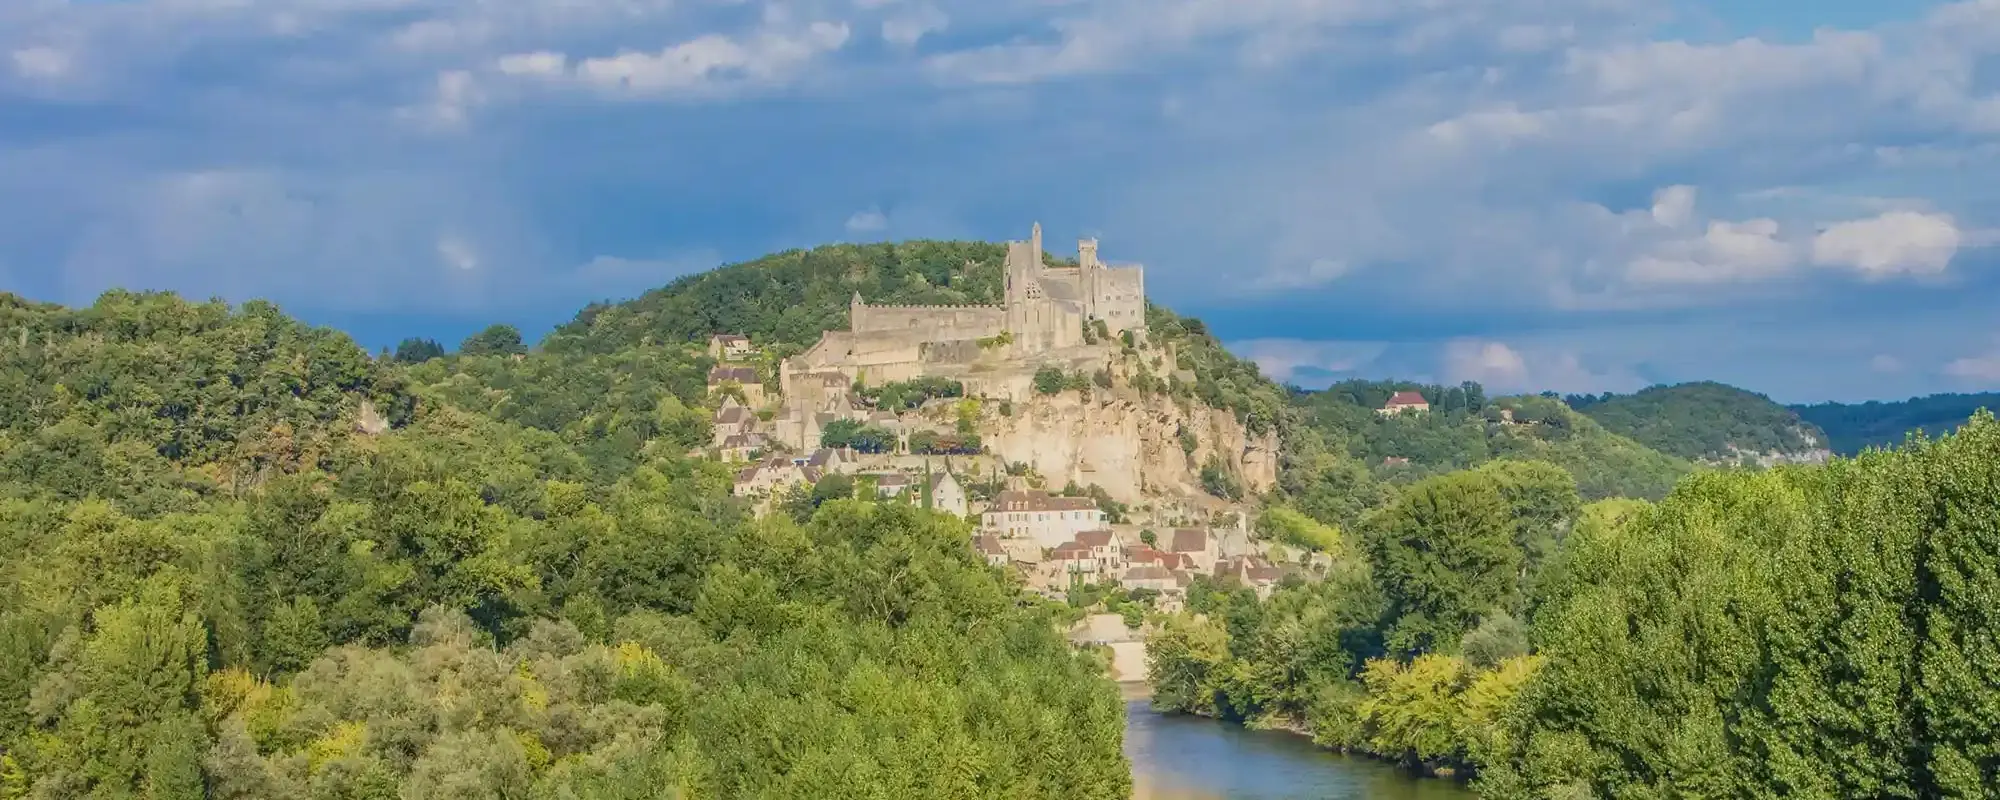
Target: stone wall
x: 916, y: 324
x: 1120, y: 298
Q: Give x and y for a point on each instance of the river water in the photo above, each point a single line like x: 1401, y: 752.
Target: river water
x: 1190, y: 758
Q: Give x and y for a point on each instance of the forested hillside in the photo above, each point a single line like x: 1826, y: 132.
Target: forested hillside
x: 1704, y: 421
x: 1820, y: 631
x: 248, y: 561
x: 1851, y: 427
x: 1463, y: 428
x: 788, y: 298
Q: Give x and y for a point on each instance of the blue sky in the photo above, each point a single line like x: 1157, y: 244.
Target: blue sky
x: 1580, y: 195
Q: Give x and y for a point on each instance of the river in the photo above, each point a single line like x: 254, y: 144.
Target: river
x: 1190, y: 758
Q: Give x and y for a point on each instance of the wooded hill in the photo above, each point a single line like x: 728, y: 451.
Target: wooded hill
x: 1703, y: 421
x: 227, y: 578
x: 1851, y: 427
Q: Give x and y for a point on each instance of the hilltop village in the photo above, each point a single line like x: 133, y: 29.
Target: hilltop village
x: 1007, y: 415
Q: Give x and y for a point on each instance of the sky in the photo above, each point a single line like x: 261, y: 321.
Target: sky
x: 1800, y: 198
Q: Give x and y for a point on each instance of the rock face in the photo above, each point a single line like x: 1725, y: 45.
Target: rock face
x: 1818, y: 454
x: 1131, y: 445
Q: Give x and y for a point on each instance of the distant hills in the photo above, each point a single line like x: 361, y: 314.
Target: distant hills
x: 1705, y: 421
x: 1852, y: 427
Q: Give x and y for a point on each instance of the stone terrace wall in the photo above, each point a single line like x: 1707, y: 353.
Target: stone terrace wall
x: 917, y: 324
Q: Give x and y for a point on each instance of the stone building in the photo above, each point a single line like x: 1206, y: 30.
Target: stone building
x: 1048, y: 521
x: 947, y: 495
x: 1042, y: 315
x: 729, y: 347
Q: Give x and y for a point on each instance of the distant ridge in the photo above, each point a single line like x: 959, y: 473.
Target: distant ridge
x: 1853, y: 427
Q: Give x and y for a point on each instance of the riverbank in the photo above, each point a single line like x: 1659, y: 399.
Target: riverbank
x: 1179, y: 757
x: 1132, y: 691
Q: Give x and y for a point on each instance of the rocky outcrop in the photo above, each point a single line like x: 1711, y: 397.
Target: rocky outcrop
x: 1816, y: 454
x: 1132, y: 445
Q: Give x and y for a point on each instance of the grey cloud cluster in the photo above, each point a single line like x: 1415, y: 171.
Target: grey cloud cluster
x: 1459, y: 156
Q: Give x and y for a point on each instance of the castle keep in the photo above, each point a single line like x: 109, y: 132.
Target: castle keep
x: 1040, y: 320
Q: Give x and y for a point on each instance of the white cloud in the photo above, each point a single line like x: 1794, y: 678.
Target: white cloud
x: 1290, y: 360
x: 1980, y: 370
x: 541, y: 63
x: 1316, y: 273
x: 1885, y: 363
x: 868, y: 221
x: 906, y: 29
x: 457, y: 253
x: 1490, y: 363
x: 1894, y: 242
x: 701, y: 63
x: 41, y: 61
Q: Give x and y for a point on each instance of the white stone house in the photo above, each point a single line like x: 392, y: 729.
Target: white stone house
x: 1072, y: 558
x: 947, y: 495
x: 1049, y: 521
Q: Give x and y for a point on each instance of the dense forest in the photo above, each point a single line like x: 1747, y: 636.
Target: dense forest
x: 1821, y: 631
x: 1851, y: 427
x: 1464, y: 428
x: 1703, y: 421
x: 250, y: 561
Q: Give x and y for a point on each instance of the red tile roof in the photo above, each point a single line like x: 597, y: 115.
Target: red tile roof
x: 1401, y: 399
x: 1094, y: 538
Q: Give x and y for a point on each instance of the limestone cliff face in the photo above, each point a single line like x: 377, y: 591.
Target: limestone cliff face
x: 1127, y: 443
x: 1816, y: 453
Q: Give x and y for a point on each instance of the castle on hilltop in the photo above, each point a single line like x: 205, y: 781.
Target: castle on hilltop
x: 1041, y: 319
x: 1043, y: 308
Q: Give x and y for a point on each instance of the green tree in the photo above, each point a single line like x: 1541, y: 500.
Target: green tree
x: 494, y: 340
x: 1445, y: 556
x: 417, y: 351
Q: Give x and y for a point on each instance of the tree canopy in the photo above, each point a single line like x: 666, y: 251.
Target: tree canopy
x: 249, y: 561
x: 1702, y: 421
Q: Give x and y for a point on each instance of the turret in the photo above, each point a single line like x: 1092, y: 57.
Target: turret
x: 1086, y: 253
x: 1035, y: 241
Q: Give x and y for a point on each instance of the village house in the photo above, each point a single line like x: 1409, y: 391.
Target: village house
x: 828, y: 459
x: 888, y: 484
x: 729, y: 347
x: 740, y: 447
x: 1075, y: 558
x: 1196, y: 545
x: 744, y: 379
x: 1149, y: 576
x: 1141, y: 554
x: 1050, y: 521
x: 772, y: 474
x: 1252, y: 571
x: 1105, y: 546
x: 732, y: 419
x: 947, y: 495
x: 990, y: 547
x: 1404, y: 401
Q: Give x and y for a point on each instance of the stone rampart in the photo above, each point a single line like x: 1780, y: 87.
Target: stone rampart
x: 928, y: 323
